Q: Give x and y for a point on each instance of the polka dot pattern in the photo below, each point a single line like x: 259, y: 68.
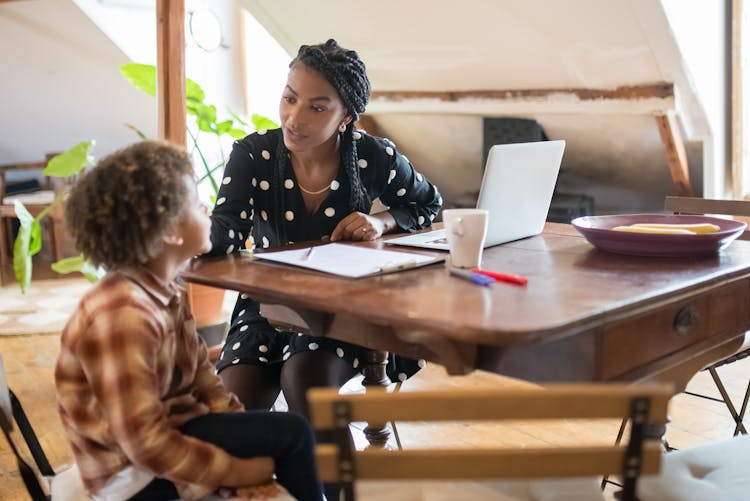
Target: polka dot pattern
x: 382, y: 170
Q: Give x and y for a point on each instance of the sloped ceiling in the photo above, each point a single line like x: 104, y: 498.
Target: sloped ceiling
x: 613, y: 150
x: 61, y: 85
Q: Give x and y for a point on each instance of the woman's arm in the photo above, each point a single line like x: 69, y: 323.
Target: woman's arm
x: 232, y: 216
x: 412, y: 200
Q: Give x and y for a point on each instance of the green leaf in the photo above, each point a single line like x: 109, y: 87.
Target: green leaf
x: 224, y: 127
x: 193, y: 91
x: 141, y: 76
x: 260, y: 122
x: 206, y: 118
x: 237, y: 133
x: 69, y: 264
x: 22, y: 246
x: 71, y: 162
x: 78, y: 264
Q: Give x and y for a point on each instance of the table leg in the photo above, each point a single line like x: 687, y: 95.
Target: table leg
x: 375, y: 375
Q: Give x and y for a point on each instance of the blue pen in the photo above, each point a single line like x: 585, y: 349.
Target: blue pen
x: 472, y: 277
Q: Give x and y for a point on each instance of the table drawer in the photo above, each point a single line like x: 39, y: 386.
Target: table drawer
x: 635, y: 342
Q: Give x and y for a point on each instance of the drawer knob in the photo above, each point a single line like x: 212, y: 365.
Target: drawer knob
x: 685, y: 319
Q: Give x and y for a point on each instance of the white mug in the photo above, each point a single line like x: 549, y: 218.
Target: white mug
x: 466, y: 230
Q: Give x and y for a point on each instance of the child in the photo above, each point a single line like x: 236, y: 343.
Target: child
x: 141, y: 405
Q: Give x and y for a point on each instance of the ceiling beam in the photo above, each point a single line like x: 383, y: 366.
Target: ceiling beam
x: 170, y: 70
x: 629, y: 99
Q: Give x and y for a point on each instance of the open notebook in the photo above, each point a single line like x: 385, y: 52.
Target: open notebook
x: 350, y: 260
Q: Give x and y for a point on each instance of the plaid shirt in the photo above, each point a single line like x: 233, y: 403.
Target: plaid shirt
x: 129, y: 359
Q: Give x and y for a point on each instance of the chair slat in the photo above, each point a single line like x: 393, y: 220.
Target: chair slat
x: 559, y: 401
x: 489, y: 464
x: 695, y: 205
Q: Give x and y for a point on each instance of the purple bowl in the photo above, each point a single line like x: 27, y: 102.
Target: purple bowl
x: 598, y: 231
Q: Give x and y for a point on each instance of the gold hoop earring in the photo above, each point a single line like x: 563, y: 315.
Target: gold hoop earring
x: 342, y: 128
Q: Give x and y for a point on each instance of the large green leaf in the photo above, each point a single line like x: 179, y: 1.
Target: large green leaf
x: 237, y: 133
x: 26, y: 241
x: 72, y: 161
x: 141, y: 76
x: 260, y: 122
x: 78, y: 264
x: 193, y: 91
x: 206, y: 118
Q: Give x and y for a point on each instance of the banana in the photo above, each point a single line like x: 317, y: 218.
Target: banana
x: 695, y: 228
x: 646, y: 229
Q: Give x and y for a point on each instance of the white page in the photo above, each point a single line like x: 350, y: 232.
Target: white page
x: 349, y: 260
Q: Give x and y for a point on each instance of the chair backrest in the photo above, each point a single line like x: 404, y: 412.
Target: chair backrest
x: 645, y: 405
x: 739, y: 209
x: 12, y: 412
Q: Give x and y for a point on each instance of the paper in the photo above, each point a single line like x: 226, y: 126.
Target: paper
x: 349, y: 260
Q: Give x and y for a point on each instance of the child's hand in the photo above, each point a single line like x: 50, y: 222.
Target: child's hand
x: 265, y: 491
x: 249, y: 472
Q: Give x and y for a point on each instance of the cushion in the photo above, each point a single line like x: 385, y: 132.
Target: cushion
x: 717, y: 471
x: 569, y: 489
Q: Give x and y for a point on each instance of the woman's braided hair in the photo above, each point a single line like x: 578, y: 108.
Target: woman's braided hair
x: 345, y: 71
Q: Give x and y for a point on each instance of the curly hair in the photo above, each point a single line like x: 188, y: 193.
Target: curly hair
x: 346, y: 72
x: 118, y: 211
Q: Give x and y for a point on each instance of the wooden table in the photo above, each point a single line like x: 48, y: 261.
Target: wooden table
x: 585, y: 315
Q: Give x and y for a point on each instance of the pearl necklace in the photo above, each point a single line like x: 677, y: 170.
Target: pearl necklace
x: 318, y: 192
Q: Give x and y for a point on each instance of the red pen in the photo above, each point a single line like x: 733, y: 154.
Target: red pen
x: 502, y: 277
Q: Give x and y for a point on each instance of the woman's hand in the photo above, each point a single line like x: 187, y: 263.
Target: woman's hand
x: 357, y: 226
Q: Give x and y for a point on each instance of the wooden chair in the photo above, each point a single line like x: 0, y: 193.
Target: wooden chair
x: 739, y: 209
x: 56, y: 244
x: 340, y: 463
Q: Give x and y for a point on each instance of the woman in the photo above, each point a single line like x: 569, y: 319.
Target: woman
x: 314, y: 178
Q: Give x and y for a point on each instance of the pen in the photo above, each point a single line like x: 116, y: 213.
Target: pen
x: 307, y: 255
x: 502, y: 277
x: 398, y: 266
x: 472, y: 277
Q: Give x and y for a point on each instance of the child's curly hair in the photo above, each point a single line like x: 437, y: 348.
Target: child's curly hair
x: 118, y: 212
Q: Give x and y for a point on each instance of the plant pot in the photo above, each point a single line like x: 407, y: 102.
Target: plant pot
x: 206, y: 303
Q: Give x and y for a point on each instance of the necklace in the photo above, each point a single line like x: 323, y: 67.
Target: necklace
x: 318, y: 192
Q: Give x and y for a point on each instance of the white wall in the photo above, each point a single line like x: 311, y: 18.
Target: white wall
x: 699, y: 30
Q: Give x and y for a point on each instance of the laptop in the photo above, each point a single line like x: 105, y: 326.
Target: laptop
x: 516, y: 190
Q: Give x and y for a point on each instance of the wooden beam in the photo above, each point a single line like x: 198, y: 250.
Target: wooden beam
x: 629, y: 92
x: 630, y: 99
x: 669, y: 130
x: 170, y: 70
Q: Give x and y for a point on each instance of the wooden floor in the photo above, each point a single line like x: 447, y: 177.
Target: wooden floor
x: 29, y: 361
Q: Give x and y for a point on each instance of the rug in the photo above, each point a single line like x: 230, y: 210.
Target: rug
x: 44, y: 308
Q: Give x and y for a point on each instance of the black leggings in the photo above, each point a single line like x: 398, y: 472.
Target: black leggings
x: 286, y: 437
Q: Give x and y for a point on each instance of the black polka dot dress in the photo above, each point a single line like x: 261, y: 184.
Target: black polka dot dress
x: 243, y: 212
